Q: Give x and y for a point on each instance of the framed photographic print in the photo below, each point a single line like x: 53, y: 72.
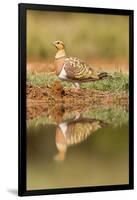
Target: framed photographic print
x: 75, y: 99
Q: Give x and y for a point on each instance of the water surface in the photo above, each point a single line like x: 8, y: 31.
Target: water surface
x: 82, y: 150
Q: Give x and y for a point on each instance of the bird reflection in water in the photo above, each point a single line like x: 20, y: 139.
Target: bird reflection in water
x: 73, y: 131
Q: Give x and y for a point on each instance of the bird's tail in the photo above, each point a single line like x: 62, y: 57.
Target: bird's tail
x: 104, y: 75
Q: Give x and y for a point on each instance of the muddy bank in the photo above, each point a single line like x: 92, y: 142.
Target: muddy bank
x: 42, y: 99
x: 58, y: 94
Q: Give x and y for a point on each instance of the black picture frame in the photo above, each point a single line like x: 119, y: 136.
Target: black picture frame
x: 22, y: 9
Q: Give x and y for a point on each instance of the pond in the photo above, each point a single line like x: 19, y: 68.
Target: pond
x: 74, y: 148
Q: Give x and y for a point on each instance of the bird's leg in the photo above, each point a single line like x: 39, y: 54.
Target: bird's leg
x: 77, y: 115
x: 76, y: 85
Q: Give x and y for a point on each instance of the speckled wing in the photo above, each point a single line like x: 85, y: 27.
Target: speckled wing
x: 78, y: 70
x: 80, y: 130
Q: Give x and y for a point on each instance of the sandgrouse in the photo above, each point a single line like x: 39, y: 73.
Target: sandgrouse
x: 73, y: 69
x: 73, y: 132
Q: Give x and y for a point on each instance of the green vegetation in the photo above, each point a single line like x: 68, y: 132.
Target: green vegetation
x: 118, y: 82
x: 85, y: 35
x: 115, y: 116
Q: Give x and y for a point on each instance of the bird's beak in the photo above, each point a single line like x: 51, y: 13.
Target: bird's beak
x: 53, y: 43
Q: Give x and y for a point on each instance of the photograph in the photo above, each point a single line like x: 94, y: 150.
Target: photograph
x: 78, y: 68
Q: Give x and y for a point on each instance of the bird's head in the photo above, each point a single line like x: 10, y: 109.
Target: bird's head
x: 58, y: 44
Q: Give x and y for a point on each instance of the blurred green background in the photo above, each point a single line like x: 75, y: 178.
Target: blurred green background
x: 85, y: 35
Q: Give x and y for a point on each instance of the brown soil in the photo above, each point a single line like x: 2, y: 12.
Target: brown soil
x: 39, y: 99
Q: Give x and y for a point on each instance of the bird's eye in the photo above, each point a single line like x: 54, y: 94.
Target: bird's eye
x: 57, y: 42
